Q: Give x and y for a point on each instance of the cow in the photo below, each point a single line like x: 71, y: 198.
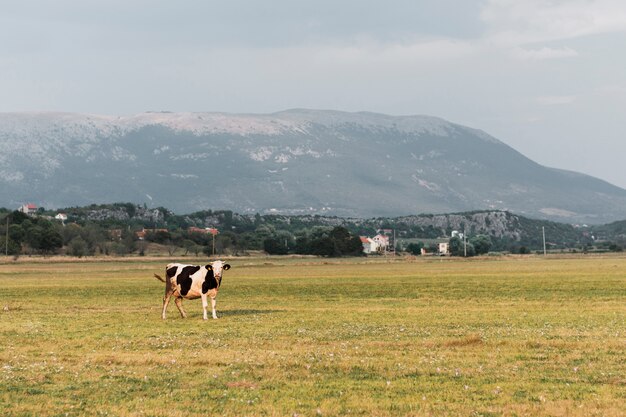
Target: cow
x: 191, y: 282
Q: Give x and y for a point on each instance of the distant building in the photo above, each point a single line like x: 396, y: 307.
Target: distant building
x: 193, y: 229
x: 115, y: 234
x: 382, y: 242
x: 28, y: 209
x: 376, y: 244
x: 61, y: 216
x: 444, y: 248
x: 369, y: 246
x: 141, y: 234
x: 204, y: 231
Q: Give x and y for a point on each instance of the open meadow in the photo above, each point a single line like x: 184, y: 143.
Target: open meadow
x: 498, y: 336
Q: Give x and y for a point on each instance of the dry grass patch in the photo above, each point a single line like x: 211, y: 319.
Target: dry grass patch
x: 469, y: 340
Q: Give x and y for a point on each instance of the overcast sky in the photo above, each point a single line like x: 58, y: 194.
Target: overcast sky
x: 547, y: 77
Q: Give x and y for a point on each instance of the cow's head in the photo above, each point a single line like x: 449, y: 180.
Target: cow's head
x: 217, y: 267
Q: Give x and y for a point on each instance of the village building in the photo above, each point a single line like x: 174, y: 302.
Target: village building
x: 141, y: 234
x: 28, y: 209
x: 205, y: 231
x: 382, y: 242
x: 444, y: 248
x: 376, y: 244
x: 369, y: 246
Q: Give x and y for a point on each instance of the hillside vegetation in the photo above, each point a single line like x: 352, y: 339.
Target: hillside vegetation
x: 125, y: 228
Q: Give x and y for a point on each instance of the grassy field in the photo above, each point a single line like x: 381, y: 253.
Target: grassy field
x: 486, y: 337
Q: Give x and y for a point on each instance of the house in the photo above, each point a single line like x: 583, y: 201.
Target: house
x: 434, y: 247
x: 115, y: 234
x: 141, y: 234
x: 194, y: 229
x: 456, y: 233
x: 376, y: 244
x: 369, y: 246
x: 61, y: 216
x: 28, y: 209
x: 205, y: 231
x: 444, y: 248
x: 382, y: 242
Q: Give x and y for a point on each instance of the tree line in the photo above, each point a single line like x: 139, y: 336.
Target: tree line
x: 111, y: 229
x: 42, y: 235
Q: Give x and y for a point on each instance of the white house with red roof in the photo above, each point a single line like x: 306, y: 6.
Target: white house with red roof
x: 369, y: 246
x: 376, y: 244
x: 28, y: 208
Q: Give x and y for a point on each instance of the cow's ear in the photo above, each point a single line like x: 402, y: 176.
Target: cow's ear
x: 209, y: 267
x: 226, y: 267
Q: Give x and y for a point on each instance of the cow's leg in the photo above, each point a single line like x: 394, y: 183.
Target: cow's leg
x: 213, y: 303
x: 166, y: 301
x: 205, y: 304
x: 179, y: 304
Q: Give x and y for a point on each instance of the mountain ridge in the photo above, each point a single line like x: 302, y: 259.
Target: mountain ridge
x: 295, y: 161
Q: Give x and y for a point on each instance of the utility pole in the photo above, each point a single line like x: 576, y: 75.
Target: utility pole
x: 543, y: 232
x: 464, y: 243
x: 213, y: 232
x: 6, y: 240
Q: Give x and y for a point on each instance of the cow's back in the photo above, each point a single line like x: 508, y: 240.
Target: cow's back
x: 185, y: 278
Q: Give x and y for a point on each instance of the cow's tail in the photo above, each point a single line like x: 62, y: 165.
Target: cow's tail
x: 159, y: 278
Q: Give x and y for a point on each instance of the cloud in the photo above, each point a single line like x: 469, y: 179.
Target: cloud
x: 513, y: 22
x: 524, y: 54
x: 555, y: 100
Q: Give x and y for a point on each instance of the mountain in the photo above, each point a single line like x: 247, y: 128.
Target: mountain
x: 291, y: 162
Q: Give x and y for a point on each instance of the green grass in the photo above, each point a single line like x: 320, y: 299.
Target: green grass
x: 489, y: 337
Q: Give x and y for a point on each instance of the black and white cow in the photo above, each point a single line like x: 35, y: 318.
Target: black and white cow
x: 191, y: 282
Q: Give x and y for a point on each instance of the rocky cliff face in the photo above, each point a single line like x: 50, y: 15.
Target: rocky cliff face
x: 294, y: 162
x: 497, y: 224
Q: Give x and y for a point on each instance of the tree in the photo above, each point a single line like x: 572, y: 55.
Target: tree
x: 275, y: 246
x: 482, y: 244
x: 16, y: 234
x: 188, y: 245
x: 341, y: 240
x: 455, y: 246
x: 415, y: 248
x: 459, y: 248
x: 70, y: 232
x: 335, y: 242
x: 322, y: 246
x: 51, y: 240
x: 77, y: 247
x: 95, y: 238
x: 128, y: 241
